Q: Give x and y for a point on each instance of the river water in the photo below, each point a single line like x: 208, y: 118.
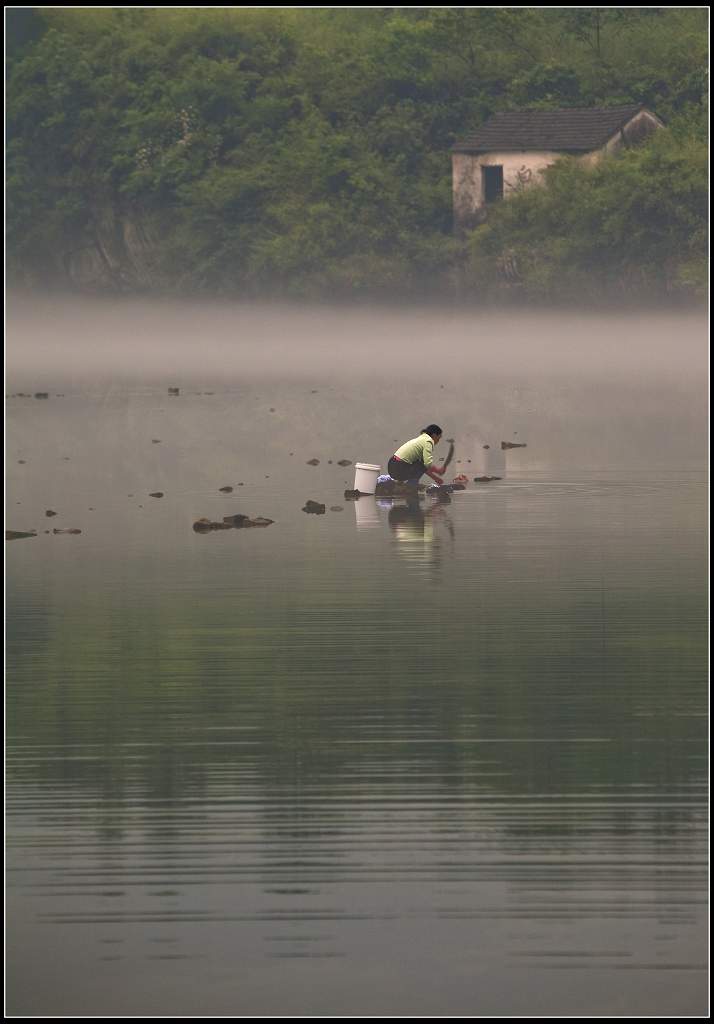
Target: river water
x: 445, y: 760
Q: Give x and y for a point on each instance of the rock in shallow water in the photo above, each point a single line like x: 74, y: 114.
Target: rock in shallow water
x: 238, y: 519
x: 315, y: 507
x: 234, y: 522
x: 205, y: 526
x: 18, y: 534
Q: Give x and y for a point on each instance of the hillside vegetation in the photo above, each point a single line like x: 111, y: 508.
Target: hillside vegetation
x: 305, y: 153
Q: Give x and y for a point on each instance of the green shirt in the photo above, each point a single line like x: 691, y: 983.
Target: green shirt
x: 419, y: 449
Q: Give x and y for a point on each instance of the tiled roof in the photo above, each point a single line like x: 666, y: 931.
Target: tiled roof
x: 571, y: 130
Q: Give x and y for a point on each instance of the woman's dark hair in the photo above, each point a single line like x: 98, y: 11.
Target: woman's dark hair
x: 432, y: 429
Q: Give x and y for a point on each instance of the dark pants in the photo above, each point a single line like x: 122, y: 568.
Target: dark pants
x: 405, y: 472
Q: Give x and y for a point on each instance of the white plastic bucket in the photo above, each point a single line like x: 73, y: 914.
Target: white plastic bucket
x: 366, y: 477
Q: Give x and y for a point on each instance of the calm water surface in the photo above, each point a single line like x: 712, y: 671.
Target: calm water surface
x: 449, y: 762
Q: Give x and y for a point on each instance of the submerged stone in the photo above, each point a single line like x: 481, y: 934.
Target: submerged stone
x: 205, y: 526
x: 234, y: 522
x: 315, y: 507
x: 313, y: 462
x: 238, y: 519
x: 42, y: 394
x: 18, y: 534
x: 156, y: 494
x: 49, y: 512
x: 505, y: 445
x: 226, y: 490
x: 336, y: 508
x: 344, y: 462
x: 67, y: 531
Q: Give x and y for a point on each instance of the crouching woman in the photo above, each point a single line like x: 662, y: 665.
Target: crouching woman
x: 416, y: 457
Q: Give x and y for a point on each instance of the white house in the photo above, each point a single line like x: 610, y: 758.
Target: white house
x: 510, y: 150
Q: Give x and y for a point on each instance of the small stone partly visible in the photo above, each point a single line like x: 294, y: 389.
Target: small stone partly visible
x: 315, y: 507
x: 67, y: 531
x: 226, y: 490
x: 336, y: 508
x: 237, y: 520
x: 313, y: 462
x: 234, y: 522
x: 49, y: 512
x: 42, y: 394
x: 18, y: 534
x: 344, y: 462
x: 156, y: 494
x: 205, y: 526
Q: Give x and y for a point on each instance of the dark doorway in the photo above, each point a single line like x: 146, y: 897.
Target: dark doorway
x: 492, y: 183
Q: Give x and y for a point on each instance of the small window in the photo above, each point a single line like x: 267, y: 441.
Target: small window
x: 492, y: 180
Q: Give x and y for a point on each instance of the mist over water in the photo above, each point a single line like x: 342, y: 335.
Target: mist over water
x: 597, y: 391
x: 444, y: 759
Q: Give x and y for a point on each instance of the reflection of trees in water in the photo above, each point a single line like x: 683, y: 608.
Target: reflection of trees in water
x: 189, y: 700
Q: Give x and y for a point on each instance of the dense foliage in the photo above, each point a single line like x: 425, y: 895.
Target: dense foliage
x: 306, y: 152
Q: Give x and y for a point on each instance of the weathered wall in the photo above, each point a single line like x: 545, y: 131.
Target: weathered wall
x: 520, y: 169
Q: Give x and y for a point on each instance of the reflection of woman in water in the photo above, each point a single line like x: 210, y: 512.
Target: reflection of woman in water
x: 412, y: 520
x: 416, y: 457
x: 410, y: 516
